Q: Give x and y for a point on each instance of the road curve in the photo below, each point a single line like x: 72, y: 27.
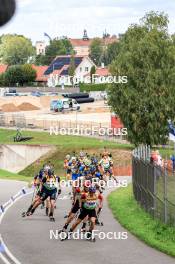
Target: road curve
x: 29, y: 241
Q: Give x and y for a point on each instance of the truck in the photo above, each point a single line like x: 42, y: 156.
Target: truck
x: 64, y: 104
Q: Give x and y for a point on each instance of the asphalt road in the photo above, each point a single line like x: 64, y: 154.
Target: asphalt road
x: 29, y: 239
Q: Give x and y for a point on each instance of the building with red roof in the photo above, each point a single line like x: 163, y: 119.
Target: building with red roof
x: 3, y: 68
x: 82, y: 46
x: 40, y: 77
x: 40, y: 70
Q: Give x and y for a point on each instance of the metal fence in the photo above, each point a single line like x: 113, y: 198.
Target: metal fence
x: 153, y: 186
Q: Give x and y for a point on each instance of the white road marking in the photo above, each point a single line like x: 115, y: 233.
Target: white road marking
x: 10, y: 203
x: 4, y: 259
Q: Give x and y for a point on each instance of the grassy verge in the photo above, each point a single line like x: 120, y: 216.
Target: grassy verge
x: 13, y: 176
x: 44, y: 138
x: 126, y: 210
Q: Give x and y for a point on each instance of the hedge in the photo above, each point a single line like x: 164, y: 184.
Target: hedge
x: 93, y: 87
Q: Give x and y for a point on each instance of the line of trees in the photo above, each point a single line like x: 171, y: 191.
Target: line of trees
x: 146, y: 102
x: 18, y: 50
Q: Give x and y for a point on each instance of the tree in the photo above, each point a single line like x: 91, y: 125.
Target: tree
x: 72, y: 68
x: 96, y: 51
x: 111, y: 53
x: 68, y: 46
x: 55, y: 48
x: 20, y: 75
x: 92, y: 72
x: 14, y: 75
x: 29, y: 74
x: 146, y: 102
x: 15, y: 49
x: 2, y: 80
x: 41, y: 60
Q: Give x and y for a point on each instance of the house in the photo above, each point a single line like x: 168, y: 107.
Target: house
x: 100, y: 75
x: 58, y: 71
x: 82, y: 46
x: 40, y: 77
x: 40, y: 48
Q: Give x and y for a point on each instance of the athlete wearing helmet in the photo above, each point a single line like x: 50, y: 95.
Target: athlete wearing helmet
x: 89, y: 204
x: 66, y: 166
x: 106, y: 166
x: 73, y: 166
x: 48, y: 190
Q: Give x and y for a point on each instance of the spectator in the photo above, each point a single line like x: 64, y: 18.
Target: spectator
x: 173, y: 162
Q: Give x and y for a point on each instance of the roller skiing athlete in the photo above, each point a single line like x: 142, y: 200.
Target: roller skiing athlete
x: 89, y: 205
x: 99, y: 193
x: 77, y: 204
x: 48, y: 190
x: 74, y: 210
x: 37, y: 183
x: 106, y: 167
x: 66, y: 166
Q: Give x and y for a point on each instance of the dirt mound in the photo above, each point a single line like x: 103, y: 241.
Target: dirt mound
x: 9, y: 108
x: 27, y: 107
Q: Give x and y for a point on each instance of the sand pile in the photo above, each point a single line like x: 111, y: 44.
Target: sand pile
x: 95, y: 110
x: 9, y: 108
x: 27, y: 107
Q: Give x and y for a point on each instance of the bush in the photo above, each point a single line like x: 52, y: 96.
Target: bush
x: 93, y: 87
x: 19, y: 74
x: 2, y: 80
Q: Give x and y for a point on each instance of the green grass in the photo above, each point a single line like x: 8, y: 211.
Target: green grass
x: 44, y: 138
x: 131, y: 216
x: 13, y: 176
x: 64, y: 145
x: 166, y: 152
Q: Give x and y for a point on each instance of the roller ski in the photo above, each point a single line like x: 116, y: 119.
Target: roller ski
x: 26, y: 214
x: 62, y: 231
x: 52, y: 219
x: 66, y: 216
x: 97, y: 222
x: 83, y: 228
x: 67, y: 235
x: 90, y: 237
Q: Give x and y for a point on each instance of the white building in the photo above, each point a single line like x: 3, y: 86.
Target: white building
x: 40, y: 48
x: 58, y: 71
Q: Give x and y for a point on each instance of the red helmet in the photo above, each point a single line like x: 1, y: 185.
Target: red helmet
x: 77, y: 190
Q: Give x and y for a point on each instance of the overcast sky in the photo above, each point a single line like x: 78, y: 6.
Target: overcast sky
x: 71, y: 17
